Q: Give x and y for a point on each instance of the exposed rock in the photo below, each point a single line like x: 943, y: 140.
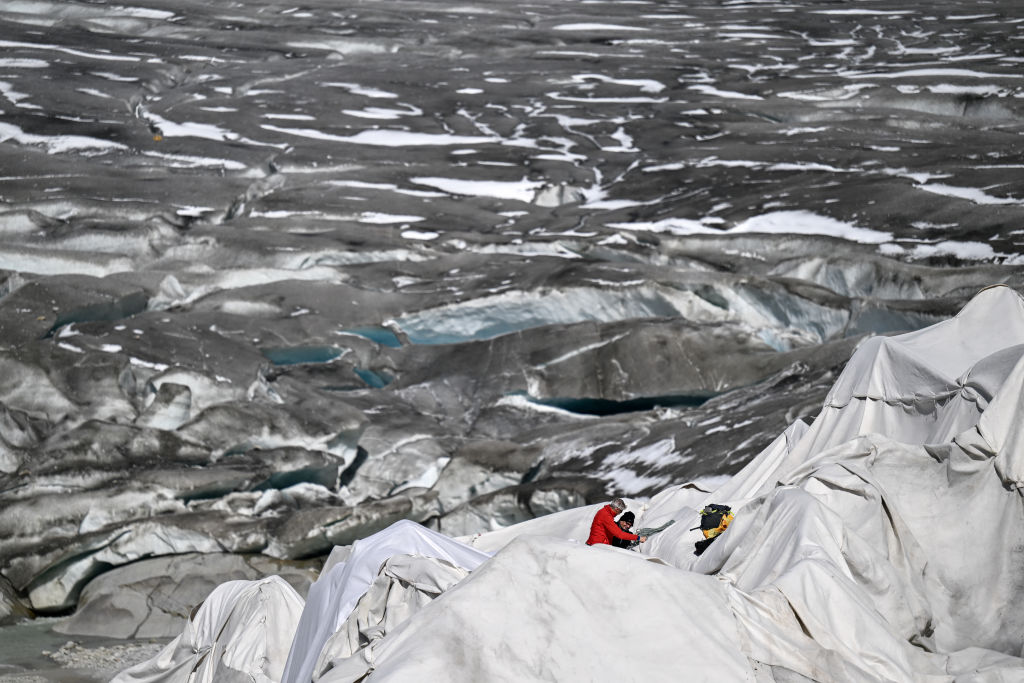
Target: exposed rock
x: 315, y: 531
x: 153, y: 598
x: 11, y: 607
x: 40, y: 307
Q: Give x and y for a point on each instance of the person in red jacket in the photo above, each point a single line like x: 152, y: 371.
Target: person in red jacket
x: 603, y: 529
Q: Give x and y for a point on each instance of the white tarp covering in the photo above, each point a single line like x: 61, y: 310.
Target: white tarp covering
x: 405, y: 585
x: 552, y: 610
x: 234, y: 636
x: 335, y: 594
x: 882, y: 542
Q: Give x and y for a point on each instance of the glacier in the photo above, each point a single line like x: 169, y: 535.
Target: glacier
x: 275, y: 277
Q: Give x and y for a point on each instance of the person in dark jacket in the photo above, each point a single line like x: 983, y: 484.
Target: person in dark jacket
x: 625, y: 523
x: 603, y: 529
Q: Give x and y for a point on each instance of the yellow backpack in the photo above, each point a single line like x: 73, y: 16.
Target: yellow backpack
x: 723, y: 524
x: 714, y: 519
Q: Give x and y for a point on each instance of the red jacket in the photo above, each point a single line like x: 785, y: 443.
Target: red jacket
x: 603, y: 528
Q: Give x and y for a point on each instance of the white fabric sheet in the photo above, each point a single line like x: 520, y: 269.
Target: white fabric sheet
x: 549, y: 610
x: 333, y: 596
x: 234, y: 636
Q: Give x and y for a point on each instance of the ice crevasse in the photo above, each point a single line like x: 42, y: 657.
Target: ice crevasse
x: 882, y: 542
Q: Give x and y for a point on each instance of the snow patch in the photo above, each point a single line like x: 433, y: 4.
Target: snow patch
x: 972, y: 194
x: 387, y: 218
x: 424, y: 235
x: 522, y: 190
x: 583, y: 26
x: 385, y: 138
x: 808, y: 223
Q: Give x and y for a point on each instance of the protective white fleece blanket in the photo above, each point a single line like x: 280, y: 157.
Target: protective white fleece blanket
x: 335, y: 594
x: 234, y: 636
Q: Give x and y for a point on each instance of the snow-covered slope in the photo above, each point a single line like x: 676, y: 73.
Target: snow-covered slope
x: 885, y: 541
